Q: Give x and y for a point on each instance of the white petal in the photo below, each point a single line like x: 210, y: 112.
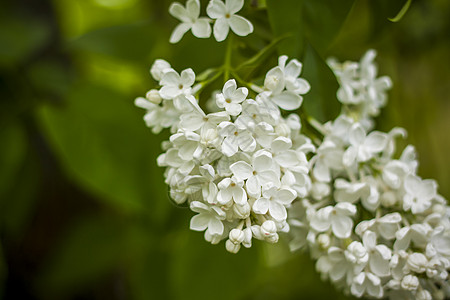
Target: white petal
x: 221, y: 29
x: 293, y: 68
x: 233, y: 6
x: 262, y: 161
x: 246, y: 142
x: 241, y: 170
x: 216, y: 9
x: 376, y: 141
x: 224, y: 196
x: 320, y: 220
x: 187, y: 77
x: 277, y: 211
x: 321, y: 171
x: 261, y: 206
x: 201, y: 28
x: 191, y: 121
x: 239, y: 95
x: 349, y: 156
x: 229, y: 146
x: 253, y: 187
x: 287, y: 159
x: 357, y: 135
x: 199, y: 222
x: 267, y: 178
x: 341, y: 226
x: 369, y: 240
x: 178, y: 11
x: 286, y: 196
x: 233, y: 108
x: 179, y: 31
x: 193, y: 8
x: 215, y: 226
x: 241, y: 26
x: 288, y: 100
x: 281, y: 144
x: 239, y: 196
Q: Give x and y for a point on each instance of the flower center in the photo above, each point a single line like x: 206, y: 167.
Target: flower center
x: 233, y: 184
x: 227, y: 16
x: 254, y: 116
x: 236, y: 133
x: 228, y: 100
x: 180, y: 86
x: 254, y: 173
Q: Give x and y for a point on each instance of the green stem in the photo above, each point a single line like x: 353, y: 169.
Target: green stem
x: 227, y: 63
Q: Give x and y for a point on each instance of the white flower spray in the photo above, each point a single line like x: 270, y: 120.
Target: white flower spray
x: 375, y: 228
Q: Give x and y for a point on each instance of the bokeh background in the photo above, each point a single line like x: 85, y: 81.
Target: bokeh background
x: 84, y: 212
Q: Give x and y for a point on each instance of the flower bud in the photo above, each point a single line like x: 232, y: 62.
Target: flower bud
x: 236, y: 236
x: 232, y: 247
x: 247, y: 242
x: 272, y: 238
x: 268, y: 228
x: 388, y: 199
x: 153, y: 96
x: 283, y: 130
x: 423, y: 295
x: 410, y: 283
x: 158, y: 67
x: 323, y: 240
x: 417, y: 262
x: 356, y: 253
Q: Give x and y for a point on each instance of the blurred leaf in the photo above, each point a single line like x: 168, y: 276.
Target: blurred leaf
x: 12, y: 154
x: 323, y: 20
x: 201, y: 271
x: 102, y: 142
x: 20, y: 37
x: 317, y: 20
x: 49, y: 77
x: 20, y: 198
x: 321, y: 101
x: 132, y: 42
x: 285, y: 19
x: 94, y: 247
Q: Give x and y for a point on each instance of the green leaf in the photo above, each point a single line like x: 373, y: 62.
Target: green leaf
x: 323, y: 20
x: 20, y: 38
x: 321, y: 101
x: 102, y: 143
x: 12, y: 135
x: 317, y: 20
x: 133, y: 42
x: 285, y: 17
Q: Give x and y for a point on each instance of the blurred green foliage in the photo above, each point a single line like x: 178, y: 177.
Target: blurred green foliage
x: 84, y: 211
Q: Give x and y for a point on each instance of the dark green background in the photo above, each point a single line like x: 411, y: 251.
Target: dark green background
x: 84, y: 212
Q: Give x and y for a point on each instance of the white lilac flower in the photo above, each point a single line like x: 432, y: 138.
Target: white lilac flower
x: 362, y: 147
x: 174, y: 84
x: 231, y: 189
x: 337, y: 217
x: 226, y: 18
x: 189, y: 16
x: 208, y: 217
x: 235, y: 138
x: 419, y: 194
x: 231, y: 97
x: 258, y: 174
x: 274, y: 201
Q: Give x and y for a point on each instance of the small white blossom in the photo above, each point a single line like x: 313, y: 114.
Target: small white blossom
x: 226, y: 18
x: 189, y: 16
